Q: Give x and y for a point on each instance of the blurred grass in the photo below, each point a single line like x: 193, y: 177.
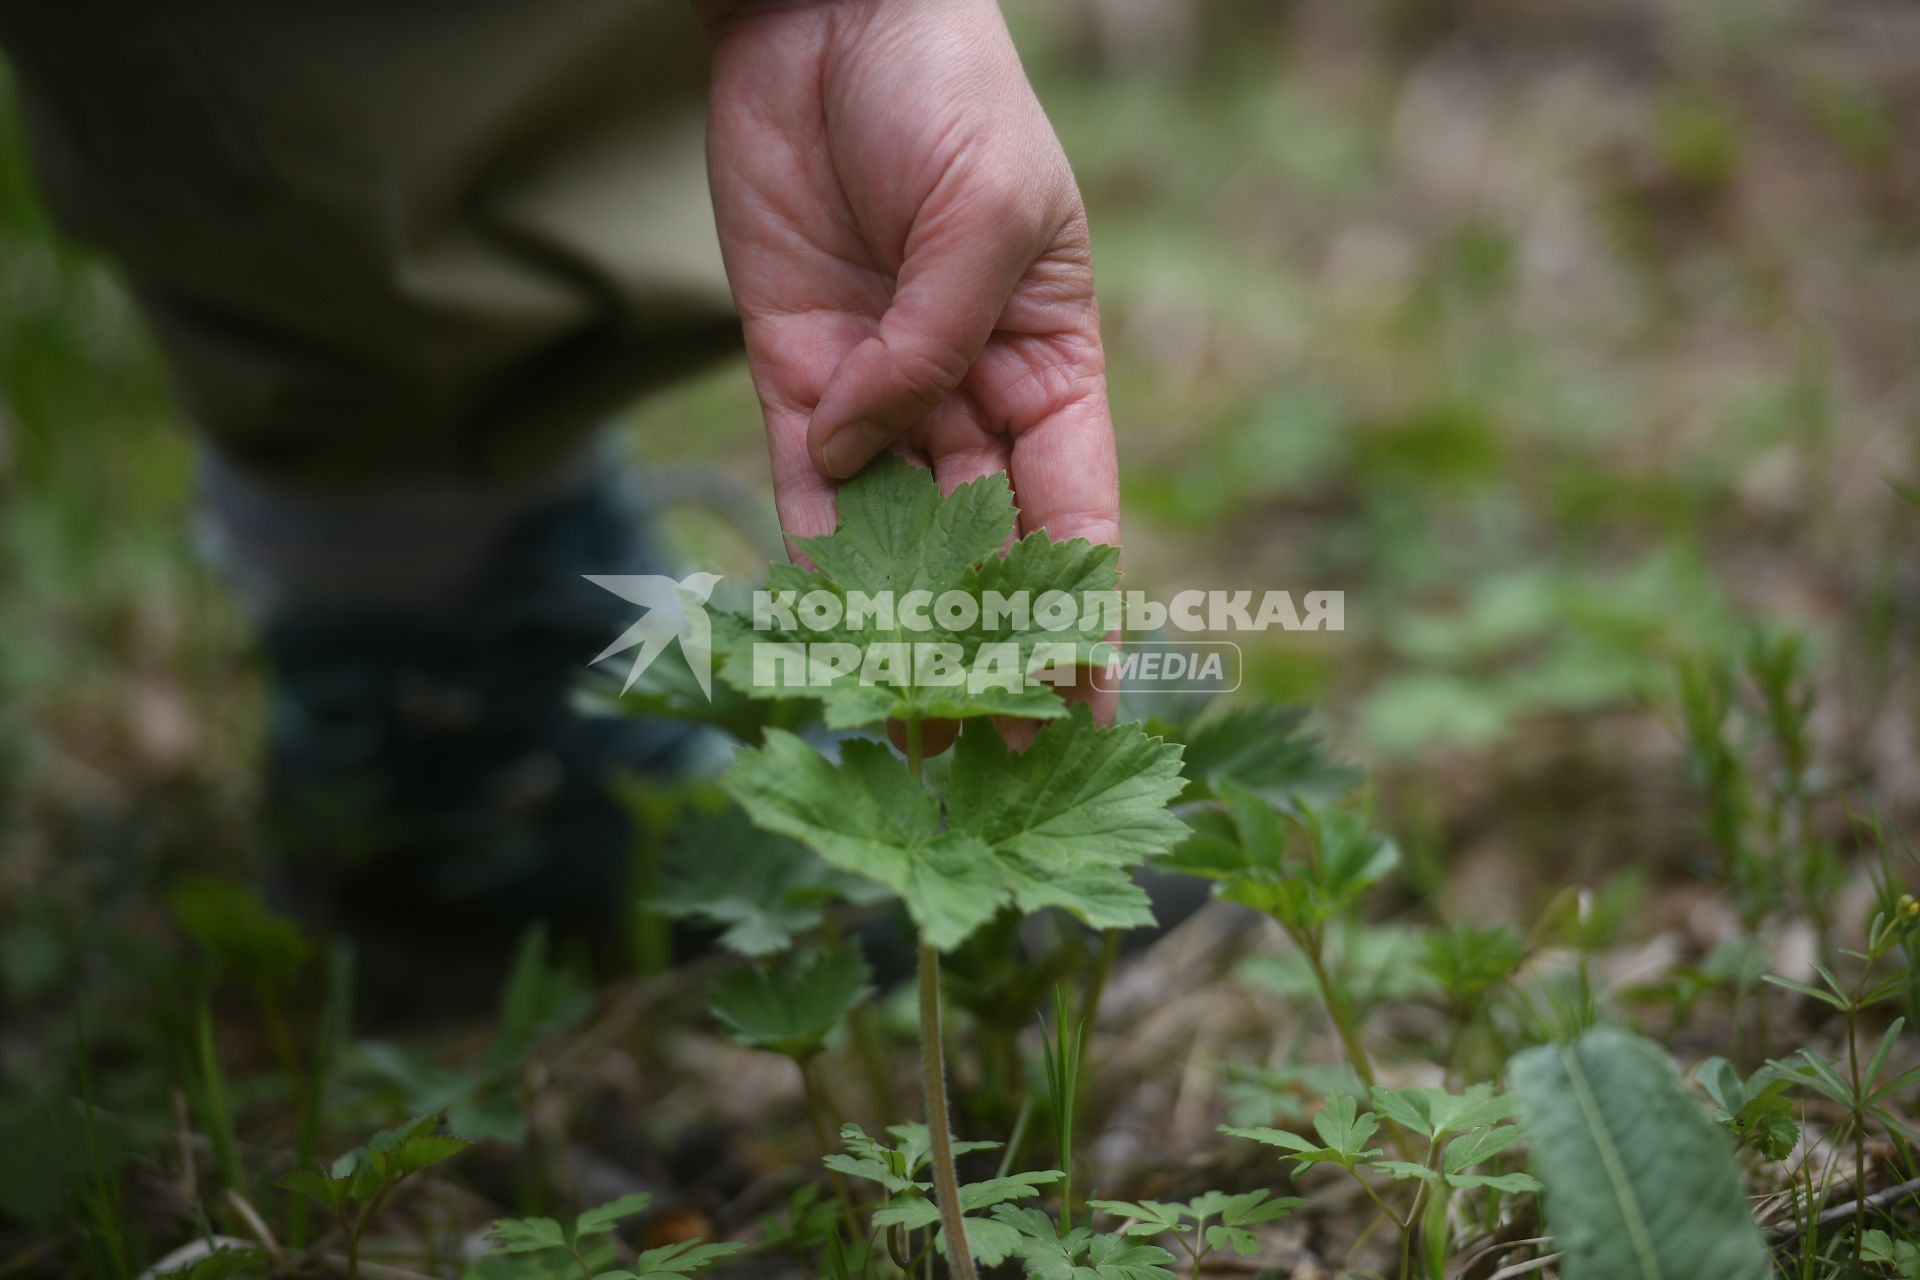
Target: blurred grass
x: 1562, y: 338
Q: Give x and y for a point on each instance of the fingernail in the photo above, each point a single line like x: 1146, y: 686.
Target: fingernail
x: 848, y: 449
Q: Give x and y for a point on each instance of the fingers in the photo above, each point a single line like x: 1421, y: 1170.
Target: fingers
x: 954, y: 284
x: 935, y: 735
x: 801, y: 495
x: 959, y: 445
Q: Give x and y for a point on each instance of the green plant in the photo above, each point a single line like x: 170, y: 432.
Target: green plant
x: 359, y: 1184
x: 1639, y: 1180
x: 1461, y: 1132
x: 1051, y: 1253
x: 1862, y: 1088
x: 1754, y: 1110
x: 1058, y: 826
x: 908, y: 1209
x: 1247, y: 847
x: 579, y: 1241
x: 791, y: 1010
x: 1211, y: 1221
x: 762, y: 891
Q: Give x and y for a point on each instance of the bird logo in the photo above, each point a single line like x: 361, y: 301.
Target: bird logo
x: 674, y: 611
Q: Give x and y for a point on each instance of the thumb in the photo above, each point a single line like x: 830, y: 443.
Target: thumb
x: 951, y: 292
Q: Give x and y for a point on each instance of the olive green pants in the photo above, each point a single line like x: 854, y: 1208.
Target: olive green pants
x: 384, y: 241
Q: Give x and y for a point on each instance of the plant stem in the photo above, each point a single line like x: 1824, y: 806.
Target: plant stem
x: 1337, y: 1011
x: 933, y: 1070
x: 933, y: 1076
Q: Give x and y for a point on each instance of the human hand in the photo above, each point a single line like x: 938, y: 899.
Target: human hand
x: 909, y: 254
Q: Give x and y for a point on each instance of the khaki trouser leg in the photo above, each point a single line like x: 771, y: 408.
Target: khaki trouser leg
x: 381, y: 240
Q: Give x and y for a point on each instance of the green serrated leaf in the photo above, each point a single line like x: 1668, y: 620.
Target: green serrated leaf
x: 897, y: 535
x: 671, y: 1261
x: 1263, y: 748
x: 527, y: 1235
x: 1639, y: 1180
x: 791, y: 1008
x: 315, y: 1185
x: 975, y: 1196
x: 1057, y: 827
x: 760, y: 889
x: 1048, y: 1255
x: 605, y: 1217
x: 868, y: 816
x: 1434, y: 1113
x: 423, y: 1152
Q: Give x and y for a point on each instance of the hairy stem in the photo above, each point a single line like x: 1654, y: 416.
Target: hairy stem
x: 933, y: 1069
x: 933, y: 1076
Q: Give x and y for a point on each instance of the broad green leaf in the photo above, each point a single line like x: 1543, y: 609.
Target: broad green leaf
x: 1060, y: 826
x: 898, y: 535
x: 527, y: 1235
x: 868, y: 816
x: 1068, y: 818
x: 604, y: 1218
x: 1640, y: 1183
x: 791, y: 1008
x: 759, y: 888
